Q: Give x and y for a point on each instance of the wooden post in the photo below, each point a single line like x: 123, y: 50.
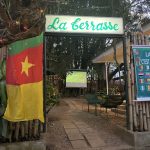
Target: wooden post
x: 128, y: 86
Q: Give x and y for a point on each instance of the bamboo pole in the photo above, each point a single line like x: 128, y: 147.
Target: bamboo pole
x: 26, y: 129
x: 138, y: 113
x: 22, y: 130
x: 129, y: 93
x: 35, y: 129
x: 132, y: 68
x: 140, y: 117
x: 144, y: 118
x: 30, y: 129
x: 148, y: 115
x: 11, y: 131
x: 135, y: 117
x: 16, y: 134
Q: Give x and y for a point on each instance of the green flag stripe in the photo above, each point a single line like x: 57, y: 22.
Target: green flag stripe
x: 20, y: 46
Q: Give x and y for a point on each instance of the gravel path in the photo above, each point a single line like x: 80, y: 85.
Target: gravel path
x: 69, y: 127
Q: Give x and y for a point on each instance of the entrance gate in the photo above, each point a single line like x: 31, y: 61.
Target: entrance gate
x: 77, y: 26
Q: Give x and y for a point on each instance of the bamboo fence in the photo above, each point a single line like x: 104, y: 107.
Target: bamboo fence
x: 24, y: 130
x: 140, y: 109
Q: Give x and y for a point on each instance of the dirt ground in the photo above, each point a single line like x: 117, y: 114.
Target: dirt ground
x: 75, y: 110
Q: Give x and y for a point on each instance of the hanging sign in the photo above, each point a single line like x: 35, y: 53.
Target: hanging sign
x: 87, y: 25
x: 141, y: 55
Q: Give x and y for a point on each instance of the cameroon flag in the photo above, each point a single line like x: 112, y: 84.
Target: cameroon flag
x: 24, y: 80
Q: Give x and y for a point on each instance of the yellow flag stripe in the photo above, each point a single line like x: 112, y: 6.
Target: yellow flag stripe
x: 25, y: 102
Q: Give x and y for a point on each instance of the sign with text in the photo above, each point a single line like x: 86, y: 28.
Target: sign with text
x: 141, y: 55
x: 86, y: 25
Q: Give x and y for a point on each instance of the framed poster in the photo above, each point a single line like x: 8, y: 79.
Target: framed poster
x: 141, y: 57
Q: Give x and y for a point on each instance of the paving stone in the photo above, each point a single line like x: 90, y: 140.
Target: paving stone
x: 96, y: 143
x: 69, y: 126
x: 94, y: 140
x: 79, y: 123
x: 75, y: 136
x: 91, y: 136
x: 72, y: 131
x: 66, y: 121
x: 86, y: 130
x: 82, y: 126
x: 80, y: 144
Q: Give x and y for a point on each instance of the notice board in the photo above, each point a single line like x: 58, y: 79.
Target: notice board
x: 141, y: 58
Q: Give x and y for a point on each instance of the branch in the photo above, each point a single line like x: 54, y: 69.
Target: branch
x: 7, y: 9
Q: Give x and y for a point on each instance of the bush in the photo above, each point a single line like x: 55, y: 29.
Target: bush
x: 52, y: 97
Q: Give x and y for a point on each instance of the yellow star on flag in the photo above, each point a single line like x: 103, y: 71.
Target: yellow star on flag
x: 26, y: 66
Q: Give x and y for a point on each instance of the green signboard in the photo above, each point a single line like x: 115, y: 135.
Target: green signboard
x: 141, y: 55
x: 86, y: 25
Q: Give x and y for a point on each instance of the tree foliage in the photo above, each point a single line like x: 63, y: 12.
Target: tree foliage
x: 20, y: 19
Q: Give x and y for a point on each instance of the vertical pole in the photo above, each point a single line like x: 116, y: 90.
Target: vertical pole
x: 44, y: 82
x: 127, y: 87
x: 126, y: 80
x: 106, y: 69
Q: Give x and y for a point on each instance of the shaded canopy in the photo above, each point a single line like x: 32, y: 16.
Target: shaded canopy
x: 109, y: 54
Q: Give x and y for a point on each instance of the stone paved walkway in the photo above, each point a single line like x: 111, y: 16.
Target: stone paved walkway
x: 70, y: 127
x: 83, y: 136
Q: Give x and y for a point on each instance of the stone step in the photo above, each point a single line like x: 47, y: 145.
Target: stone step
x: 119, y: 111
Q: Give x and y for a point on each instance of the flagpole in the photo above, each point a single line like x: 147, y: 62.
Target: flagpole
x: 44, y: 81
